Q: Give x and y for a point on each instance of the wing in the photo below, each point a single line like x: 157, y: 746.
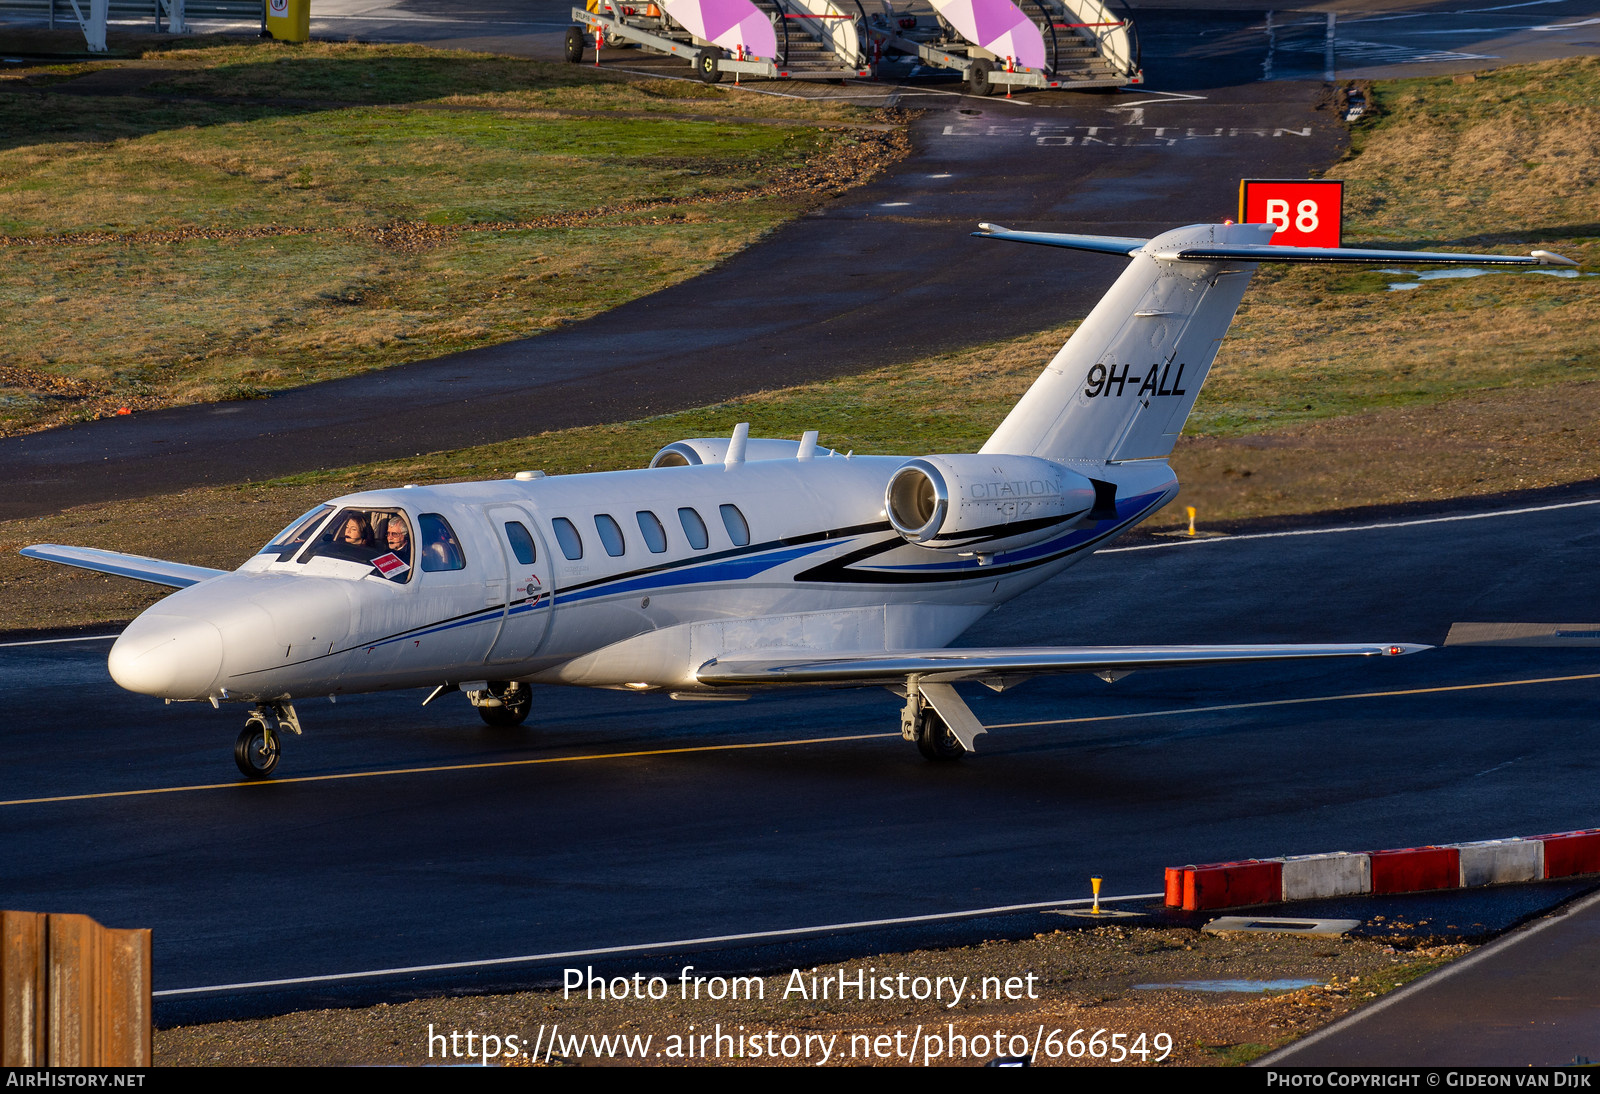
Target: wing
x: 955, y: 665
x: 930, y: 674
x: 176, y: 575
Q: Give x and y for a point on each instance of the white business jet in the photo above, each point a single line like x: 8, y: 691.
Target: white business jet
x: 731, y: 564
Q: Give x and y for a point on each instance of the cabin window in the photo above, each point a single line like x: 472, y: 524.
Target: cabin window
x: 738, y: 528
x: 655, y: 536
x: 567, y: 536
x: 610, y: 534
x: 521, y: 543
x: 294, y: 537
x: 694, y: 529
x: 440, y: 549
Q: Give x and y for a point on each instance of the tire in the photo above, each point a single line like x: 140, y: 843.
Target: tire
x: 935, y: 741
x: 978, y: 77
x: 257, y: 750
x: 705, y: 66
x: 516, y: 700
x: 576, y: 41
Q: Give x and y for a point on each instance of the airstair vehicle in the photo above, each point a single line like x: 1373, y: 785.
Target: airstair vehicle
x: 991, y: 43
x: 777, y: 39
x: 1012, y: 43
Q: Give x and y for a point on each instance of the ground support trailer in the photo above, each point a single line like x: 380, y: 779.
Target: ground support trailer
x: 1085, y: 45
x: 815, y: 39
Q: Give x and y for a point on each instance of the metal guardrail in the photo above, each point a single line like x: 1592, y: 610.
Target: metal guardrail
x: 73, y: 993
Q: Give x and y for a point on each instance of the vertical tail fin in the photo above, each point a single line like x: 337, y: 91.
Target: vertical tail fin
x: 1123, y: 385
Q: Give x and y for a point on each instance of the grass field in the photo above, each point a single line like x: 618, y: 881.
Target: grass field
x: 1331, y: 392
x: 220, y: 220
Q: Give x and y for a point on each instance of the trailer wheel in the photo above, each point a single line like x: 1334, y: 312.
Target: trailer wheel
x: 706, y: 65
x: 576, y: 42
x: 978, y: 77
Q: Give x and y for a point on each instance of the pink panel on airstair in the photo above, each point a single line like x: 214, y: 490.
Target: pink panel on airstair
x: 998, y: 26
x: 731, y: 24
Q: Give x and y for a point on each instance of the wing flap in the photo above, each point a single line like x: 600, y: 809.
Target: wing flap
x: 174, y: 575
x: 954, y: 665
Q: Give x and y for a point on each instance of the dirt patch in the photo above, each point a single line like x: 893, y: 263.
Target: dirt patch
x: 1062, y: 983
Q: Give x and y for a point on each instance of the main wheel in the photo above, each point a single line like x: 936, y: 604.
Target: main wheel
x: 256, y: 750
x: 576, y: 41
x: 978, y: 77
x: 934, y: 739
x: 706, y: 66
x: 516, y: 700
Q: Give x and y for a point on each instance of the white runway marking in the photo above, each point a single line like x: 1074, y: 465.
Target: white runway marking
x: 53, y: 641
x: 643, y: 947
x: 1353, y: 527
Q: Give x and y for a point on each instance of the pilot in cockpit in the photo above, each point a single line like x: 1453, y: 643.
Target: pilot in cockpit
x: 398, y: 539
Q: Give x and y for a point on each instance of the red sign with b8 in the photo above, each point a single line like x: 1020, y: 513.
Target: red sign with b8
x: 1306, y: 213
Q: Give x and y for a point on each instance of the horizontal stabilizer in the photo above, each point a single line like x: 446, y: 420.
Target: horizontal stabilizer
x: 175, y: 575
x: 953, y: 665
x: 1265, y: 252
x: 1268, y: 253
x: 1106, y: 245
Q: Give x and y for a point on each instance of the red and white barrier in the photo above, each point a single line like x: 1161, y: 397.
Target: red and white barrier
x: 1402, y: 870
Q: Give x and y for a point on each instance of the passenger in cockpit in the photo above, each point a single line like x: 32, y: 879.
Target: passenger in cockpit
x: 357, y: 532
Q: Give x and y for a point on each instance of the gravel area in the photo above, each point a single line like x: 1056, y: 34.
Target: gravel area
x: 1088, y: 982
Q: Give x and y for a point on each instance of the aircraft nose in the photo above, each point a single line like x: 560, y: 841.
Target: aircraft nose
x: 170, y: 657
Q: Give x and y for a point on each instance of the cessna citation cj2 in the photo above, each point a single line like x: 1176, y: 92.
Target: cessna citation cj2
x: 736, y: 563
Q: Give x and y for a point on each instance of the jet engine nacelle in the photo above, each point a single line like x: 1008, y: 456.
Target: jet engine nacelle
x: 984, y: 502
x: 708, y: 450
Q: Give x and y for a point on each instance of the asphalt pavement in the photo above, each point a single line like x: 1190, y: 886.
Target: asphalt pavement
x: 421, y: 837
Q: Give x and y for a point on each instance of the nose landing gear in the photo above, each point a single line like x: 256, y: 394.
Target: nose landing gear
x: 259, y: 745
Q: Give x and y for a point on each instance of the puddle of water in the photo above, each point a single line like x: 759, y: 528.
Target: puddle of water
x: 1236, y: 985
x: 1463, y: 271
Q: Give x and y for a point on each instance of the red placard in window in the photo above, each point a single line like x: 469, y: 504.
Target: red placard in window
x: 1306, y: 214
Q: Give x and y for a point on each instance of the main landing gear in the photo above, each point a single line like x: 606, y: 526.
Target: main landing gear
x: 920, y: 723
x: 259, y: 744
x: 503, y: 704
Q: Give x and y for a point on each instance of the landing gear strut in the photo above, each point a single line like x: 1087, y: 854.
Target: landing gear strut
x: 259, y: 744
x: 919, y: 722
x: 504, y: 704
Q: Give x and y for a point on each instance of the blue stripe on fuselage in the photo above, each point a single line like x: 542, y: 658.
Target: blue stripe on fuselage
x: 1127, y: 511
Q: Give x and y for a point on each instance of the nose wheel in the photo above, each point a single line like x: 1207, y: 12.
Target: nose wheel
x: 260, y: 742
x: 257, y: 749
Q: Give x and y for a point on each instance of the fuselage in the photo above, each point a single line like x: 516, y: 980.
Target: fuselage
x: 619, y: 579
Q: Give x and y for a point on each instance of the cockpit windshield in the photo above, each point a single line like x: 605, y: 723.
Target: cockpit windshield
x: 292, y: 538
x: 380, y: 538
